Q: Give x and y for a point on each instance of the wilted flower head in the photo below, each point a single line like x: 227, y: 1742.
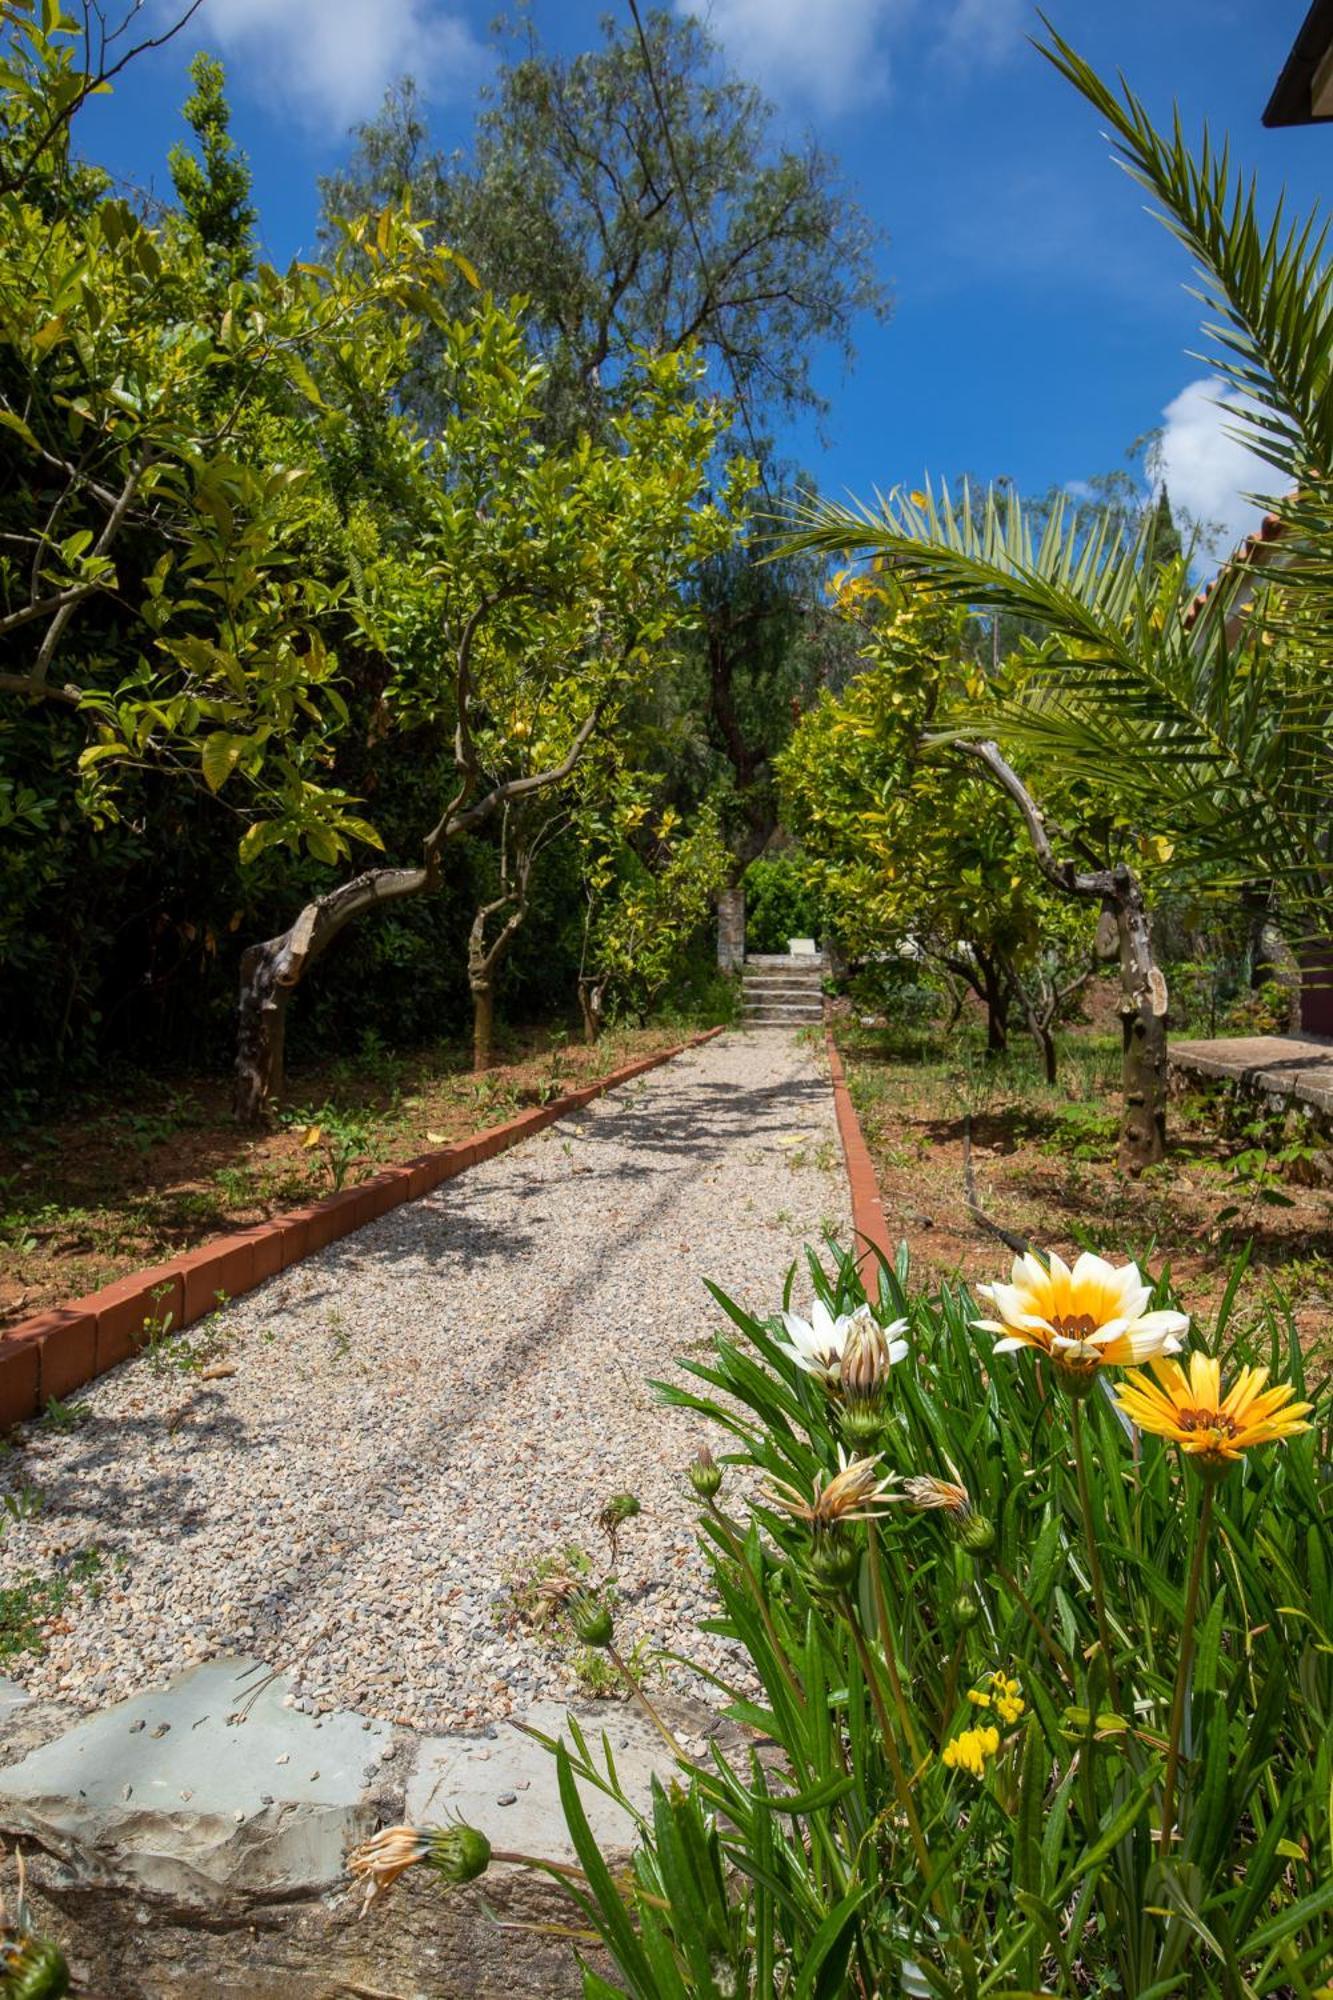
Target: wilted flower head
x: 1085, y: 1319
x: 928, y: 1495
x: 1213, y: 1430
x: 924, y: 1493
x: 854, y: 1493
x: 585, y: 1610
x: 820, y: 1343
x: 458, y: 1853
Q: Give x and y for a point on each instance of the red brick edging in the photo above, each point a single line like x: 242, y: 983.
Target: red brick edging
x: 58, y: 1351
x: 867, y: 1209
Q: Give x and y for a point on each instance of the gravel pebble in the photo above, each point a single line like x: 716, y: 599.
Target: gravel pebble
x: 420, y: 1412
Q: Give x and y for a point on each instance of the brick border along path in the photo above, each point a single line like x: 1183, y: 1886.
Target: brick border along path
x: 417, y: 1414
x: 57, y: 1351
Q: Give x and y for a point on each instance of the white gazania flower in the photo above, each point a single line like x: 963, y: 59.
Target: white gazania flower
x: 818, y: 1344
x: 1084, y: 1319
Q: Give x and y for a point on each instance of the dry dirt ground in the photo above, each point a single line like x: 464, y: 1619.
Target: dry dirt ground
x: 1044, y: 1169
x: 158, y: 1165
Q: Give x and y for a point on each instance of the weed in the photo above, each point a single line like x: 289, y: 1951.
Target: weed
x: 61, y: 1417
x: 600, y: 1678
x: 343, y: 1137
x: 23, y: 1503
x: 28, y: 1605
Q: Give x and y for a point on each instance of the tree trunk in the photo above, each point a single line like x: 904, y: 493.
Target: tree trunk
x: 590, y: 1005
x: 996, y: 992
x: 261, y: 1033
x: 731, y: 927
x: 1143, y: 1005
x: 483, y: 1025
x: 1143, y: 1000
x: 272, y: 971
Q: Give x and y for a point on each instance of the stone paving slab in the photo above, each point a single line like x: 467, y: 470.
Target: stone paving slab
x: 1282, y: 1065
x: 193, y: 1788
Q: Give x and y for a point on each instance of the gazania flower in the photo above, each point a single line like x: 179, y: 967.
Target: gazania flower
x: 925, y: 1494
x: 459, y: 1853
x: 970, y: 1749
x: 854, y: 1493
x: 818, y: 1344
x: 1212, y: 1429
x: 1091, y: 1317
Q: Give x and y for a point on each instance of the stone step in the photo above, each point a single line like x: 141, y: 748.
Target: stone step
x: 784, y: 961
x: 781, y: 1016
x: 781, y: 989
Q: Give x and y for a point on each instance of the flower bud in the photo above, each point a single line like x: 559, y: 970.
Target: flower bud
x: 834, y: 1560
x: 976, y: 1532
x: 592, y: 1622
x: 459, y: 1853
x: 705, y: 1474
x: 31, y: 1968
x: 965, y: 1609
x: 862, y: 1424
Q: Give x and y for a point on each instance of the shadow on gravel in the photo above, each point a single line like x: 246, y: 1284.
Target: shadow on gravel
x: 86, y: 1484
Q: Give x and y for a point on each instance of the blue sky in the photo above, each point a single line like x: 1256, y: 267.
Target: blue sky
x: 1041, y: 320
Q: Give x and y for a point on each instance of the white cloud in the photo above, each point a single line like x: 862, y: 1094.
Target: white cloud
x: 837, y: 53
x: 985, y: 30
x: 1206, y: 469
x: 333, y: 59
x: 830, y: 52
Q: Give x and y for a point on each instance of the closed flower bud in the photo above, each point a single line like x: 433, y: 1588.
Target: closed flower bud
x: 977, y: 1533
x: 705, y: 1474
x: 31, y: 1968
x: 965, y: 1609
x: 592, y: 1622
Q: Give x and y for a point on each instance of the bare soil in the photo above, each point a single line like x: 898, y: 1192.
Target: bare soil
x: 156, y: 1166
x: 1044, y: 1168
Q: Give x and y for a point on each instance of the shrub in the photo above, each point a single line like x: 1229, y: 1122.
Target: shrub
x: 779, y: 904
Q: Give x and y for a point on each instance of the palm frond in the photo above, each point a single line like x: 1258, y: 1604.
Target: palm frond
x: 1265, y: 285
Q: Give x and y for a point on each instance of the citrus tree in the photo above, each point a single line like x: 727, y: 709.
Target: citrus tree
x: 534, y: 588
x: 175, y: 553
x: 911, y: 853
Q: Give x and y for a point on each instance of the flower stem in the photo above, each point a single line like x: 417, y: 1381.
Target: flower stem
x: 1039, y: 1626
x: 636, y: 1688
x: 889, y: 1735
x: 910, y: 1736
x: 1094, y: 1559
x: 1183, y: 1672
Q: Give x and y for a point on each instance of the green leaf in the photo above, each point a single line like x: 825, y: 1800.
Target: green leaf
x: 218, y: 758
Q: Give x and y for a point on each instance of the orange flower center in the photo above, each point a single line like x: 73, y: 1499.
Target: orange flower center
x: 1215, y: 1421
x: 1075, y: 1326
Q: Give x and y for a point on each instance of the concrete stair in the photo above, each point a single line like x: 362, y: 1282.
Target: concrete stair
x: 782, y: 991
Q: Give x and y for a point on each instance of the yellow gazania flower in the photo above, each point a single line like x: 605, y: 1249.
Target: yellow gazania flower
x: 969, y: 1750
x: 1092, y: 1317
x: 1212, y: 1429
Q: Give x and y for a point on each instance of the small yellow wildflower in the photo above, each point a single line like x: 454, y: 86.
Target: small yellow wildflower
x: 969, y: 1750
x: 997, y: 1691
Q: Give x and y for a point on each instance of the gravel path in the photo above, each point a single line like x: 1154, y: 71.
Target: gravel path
x: 423, y: 1410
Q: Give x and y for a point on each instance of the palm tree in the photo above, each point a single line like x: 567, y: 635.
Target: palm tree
x: 1212, y: 715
